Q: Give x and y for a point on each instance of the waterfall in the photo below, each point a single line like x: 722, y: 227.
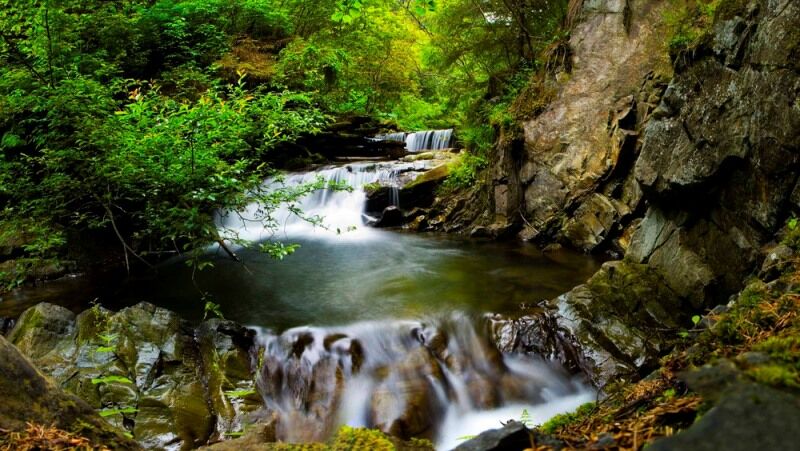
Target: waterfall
x: 394, y: 137
x: 429, y: 140
x: 341, y: 212
x: 438, y: 378
x: 423, y: 140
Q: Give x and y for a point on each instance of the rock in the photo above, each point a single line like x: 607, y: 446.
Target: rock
x: 588, y: 135
x: 404, y: 404
x: 41, y: 328
x: 776, y: 263
x: 30, y: 397
x: 378, y: 199
x: 514, y: 435
x: 625, y: 317
x: 541, y: 335
x: 480, y: 232
x: 748, y: 416
x: 147, y: 360
x: 391, y: 217
x: 224, y: 349
x: 592, y: 222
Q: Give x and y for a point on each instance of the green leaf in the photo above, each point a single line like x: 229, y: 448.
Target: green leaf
x: 243, y: 393
x: 110, y: 412
x: 696, y: 319
x: 111, y: 379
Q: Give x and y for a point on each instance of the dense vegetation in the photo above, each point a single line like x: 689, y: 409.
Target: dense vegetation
x: 135, y: 121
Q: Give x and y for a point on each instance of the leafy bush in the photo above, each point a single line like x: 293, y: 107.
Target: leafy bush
x: 464, y: 171
x: 689, y: 23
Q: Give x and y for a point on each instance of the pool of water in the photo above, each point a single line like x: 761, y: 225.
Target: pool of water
x: 339, y: 281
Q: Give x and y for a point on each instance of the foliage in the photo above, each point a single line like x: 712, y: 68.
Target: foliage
x: 689, y: 23
x: 240, y: 393
x: 138, y: 121
x: 119, y: 411
x: 464, y: 171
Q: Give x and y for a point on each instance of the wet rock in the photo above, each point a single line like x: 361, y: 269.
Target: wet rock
x: 513, y: 435
x: 224, y: 349
x: 378, y: 199
x: 404, y: 404
x: 421, y: 192
x: 41, y: 329
x: 391, y: 217
x: 623, y: 317
x: 145, y: 362
x: 748, y: 416
x: 541, y: 335
x: 30, y: 397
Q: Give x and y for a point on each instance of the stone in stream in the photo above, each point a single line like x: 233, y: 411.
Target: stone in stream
x: 404, y: 403
x: 168, y: 384
x: 391, y: 217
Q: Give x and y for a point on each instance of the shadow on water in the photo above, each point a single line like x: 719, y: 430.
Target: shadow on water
x: 333, y: 282
x: 400, y: 275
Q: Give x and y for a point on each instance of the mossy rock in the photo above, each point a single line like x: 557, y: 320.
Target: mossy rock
x: 29, y: 397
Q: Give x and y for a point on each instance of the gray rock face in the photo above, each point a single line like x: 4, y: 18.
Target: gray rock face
x: 748, y: 417
x: 567, y: 179
x: 172, y: 387
x: 719, y: 167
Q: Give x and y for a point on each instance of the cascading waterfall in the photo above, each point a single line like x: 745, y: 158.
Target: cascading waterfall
x: 423, y: 140
x: 341, y: 212
x: 429, y: 140
x: 438, y: 378
x: 394, y: 137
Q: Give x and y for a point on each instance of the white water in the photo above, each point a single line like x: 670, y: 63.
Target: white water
x: 410, y: 377
x: 341, y: 212
x: 438, y: 377
x: 423, y: 140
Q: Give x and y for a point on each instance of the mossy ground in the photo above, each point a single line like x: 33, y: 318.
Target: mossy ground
x: 760, y: 333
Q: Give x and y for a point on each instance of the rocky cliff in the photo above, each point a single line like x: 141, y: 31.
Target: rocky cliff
x: 688, y: 166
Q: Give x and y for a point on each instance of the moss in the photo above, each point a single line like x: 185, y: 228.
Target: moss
x: 776, y: 375
x: 356, y: 438
x: 560, y: 421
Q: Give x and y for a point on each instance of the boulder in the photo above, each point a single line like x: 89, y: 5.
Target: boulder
x: 167, y: 384
x: 391, y: 217
x: 625, y: 316
x: 514, y: 435
x: 748, y: 416
x: 41, y: 402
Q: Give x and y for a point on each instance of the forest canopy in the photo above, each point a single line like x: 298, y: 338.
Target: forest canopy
x: 139, y: 119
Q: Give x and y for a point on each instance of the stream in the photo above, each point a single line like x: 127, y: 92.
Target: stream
x: 371, y: 327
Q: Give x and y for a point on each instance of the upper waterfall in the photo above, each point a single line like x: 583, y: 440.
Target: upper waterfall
x: 422, y: 140
x: 340, y: 212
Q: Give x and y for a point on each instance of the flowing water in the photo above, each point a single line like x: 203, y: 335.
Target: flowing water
x: 371, y: 327
x: 423, y: 140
